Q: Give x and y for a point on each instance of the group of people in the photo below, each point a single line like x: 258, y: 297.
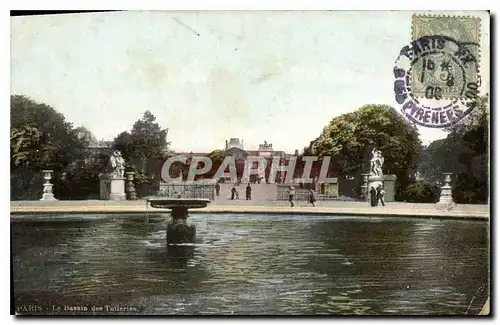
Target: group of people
x: 248, y: 193
x: 235, y: 194
x: 291, y: 196
x: 377, y: 195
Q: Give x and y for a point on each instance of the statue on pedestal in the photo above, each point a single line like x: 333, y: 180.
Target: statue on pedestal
x: 376, y: 163
x: 117, y: 180
x: 118, y: 164
x: 376, y: 179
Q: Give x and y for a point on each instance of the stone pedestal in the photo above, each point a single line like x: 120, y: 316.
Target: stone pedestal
x: 390, y: 188
x: 446, y: 196
x: 104, y: 186
x: 117, y: 189
x: 131, y: 194
x: 178, y: 231
x: 364, y: 188
x: 388, y: 183
x: 47, y: 186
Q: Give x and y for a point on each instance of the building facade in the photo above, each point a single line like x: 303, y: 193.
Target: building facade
x: 234, y: 147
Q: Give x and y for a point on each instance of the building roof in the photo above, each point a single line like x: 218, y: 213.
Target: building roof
x: 234, y: 142
x: 248, y: 152
x: 192, y: 153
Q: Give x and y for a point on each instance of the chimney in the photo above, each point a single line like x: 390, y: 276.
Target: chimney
x: 226, y: 144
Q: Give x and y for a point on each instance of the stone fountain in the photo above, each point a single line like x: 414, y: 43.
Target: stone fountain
x: 178, y: 231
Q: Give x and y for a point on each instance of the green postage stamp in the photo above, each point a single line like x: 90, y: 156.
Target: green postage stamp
x: 437, y: 76
x: 445, y: 70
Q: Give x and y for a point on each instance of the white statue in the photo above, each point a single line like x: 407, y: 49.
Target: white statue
x: 376, y: 163
x: 118, y: 164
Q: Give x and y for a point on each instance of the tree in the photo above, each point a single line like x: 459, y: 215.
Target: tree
x: 81, y: 181
x: 148, y: 138
x: 478, y: 117
x: 217, y: 157
x: 40, y: 139
x: 351, y: 137
x: 143, y: 149
x: 84, y: 135
x: 422, y: 192
x: 24, y: 144
x: 58, y: 142
x: 464, y: 153
x: 123, y: 143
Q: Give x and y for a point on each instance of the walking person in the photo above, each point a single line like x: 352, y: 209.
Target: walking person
x: 373, y: 196
x: 233, y: 192
x: 312, y: 197
x: 249, y: 192
x: 380, y: 195
x: 291, y: 195
x: 217, y: 189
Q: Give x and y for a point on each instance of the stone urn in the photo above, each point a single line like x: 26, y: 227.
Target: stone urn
x: 131, y: 193
x: 446, y: 195
x: 47, y: 186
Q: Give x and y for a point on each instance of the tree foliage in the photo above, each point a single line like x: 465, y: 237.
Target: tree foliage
x: 422, y: 192
x: 40, y: 138
x: 81, y: 181
x: 144, y: 148
x: 85, y: 136
x: 464, y: 153
x: 217, y: 157
x: 24, y: 144
x: 146, y: 139
x: 350, y: 138
x: 39, y: 125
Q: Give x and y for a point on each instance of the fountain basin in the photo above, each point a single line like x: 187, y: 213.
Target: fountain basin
x: 177, y: 203
x: 178, y: 231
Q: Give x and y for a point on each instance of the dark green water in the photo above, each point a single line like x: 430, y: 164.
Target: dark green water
x: 253, y: 264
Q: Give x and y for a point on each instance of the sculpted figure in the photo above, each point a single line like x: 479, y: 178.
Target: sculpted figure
x: 376, y: 163
x: 118, y: 164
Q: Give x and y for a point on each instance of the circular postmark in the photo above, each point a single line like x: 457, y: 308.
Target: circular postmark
x: 437, y: 80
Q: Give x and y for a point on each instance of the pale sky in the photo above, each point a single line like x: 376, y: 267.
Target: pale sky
x: 210, y: 76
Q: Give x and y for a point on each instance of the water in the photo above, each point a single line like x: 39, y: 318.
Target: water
x: 252, y: 264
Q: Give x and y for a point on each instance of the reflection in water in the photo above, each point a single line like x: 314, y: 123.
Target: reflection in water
x: 180, y: 254
x: 256, y: 264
